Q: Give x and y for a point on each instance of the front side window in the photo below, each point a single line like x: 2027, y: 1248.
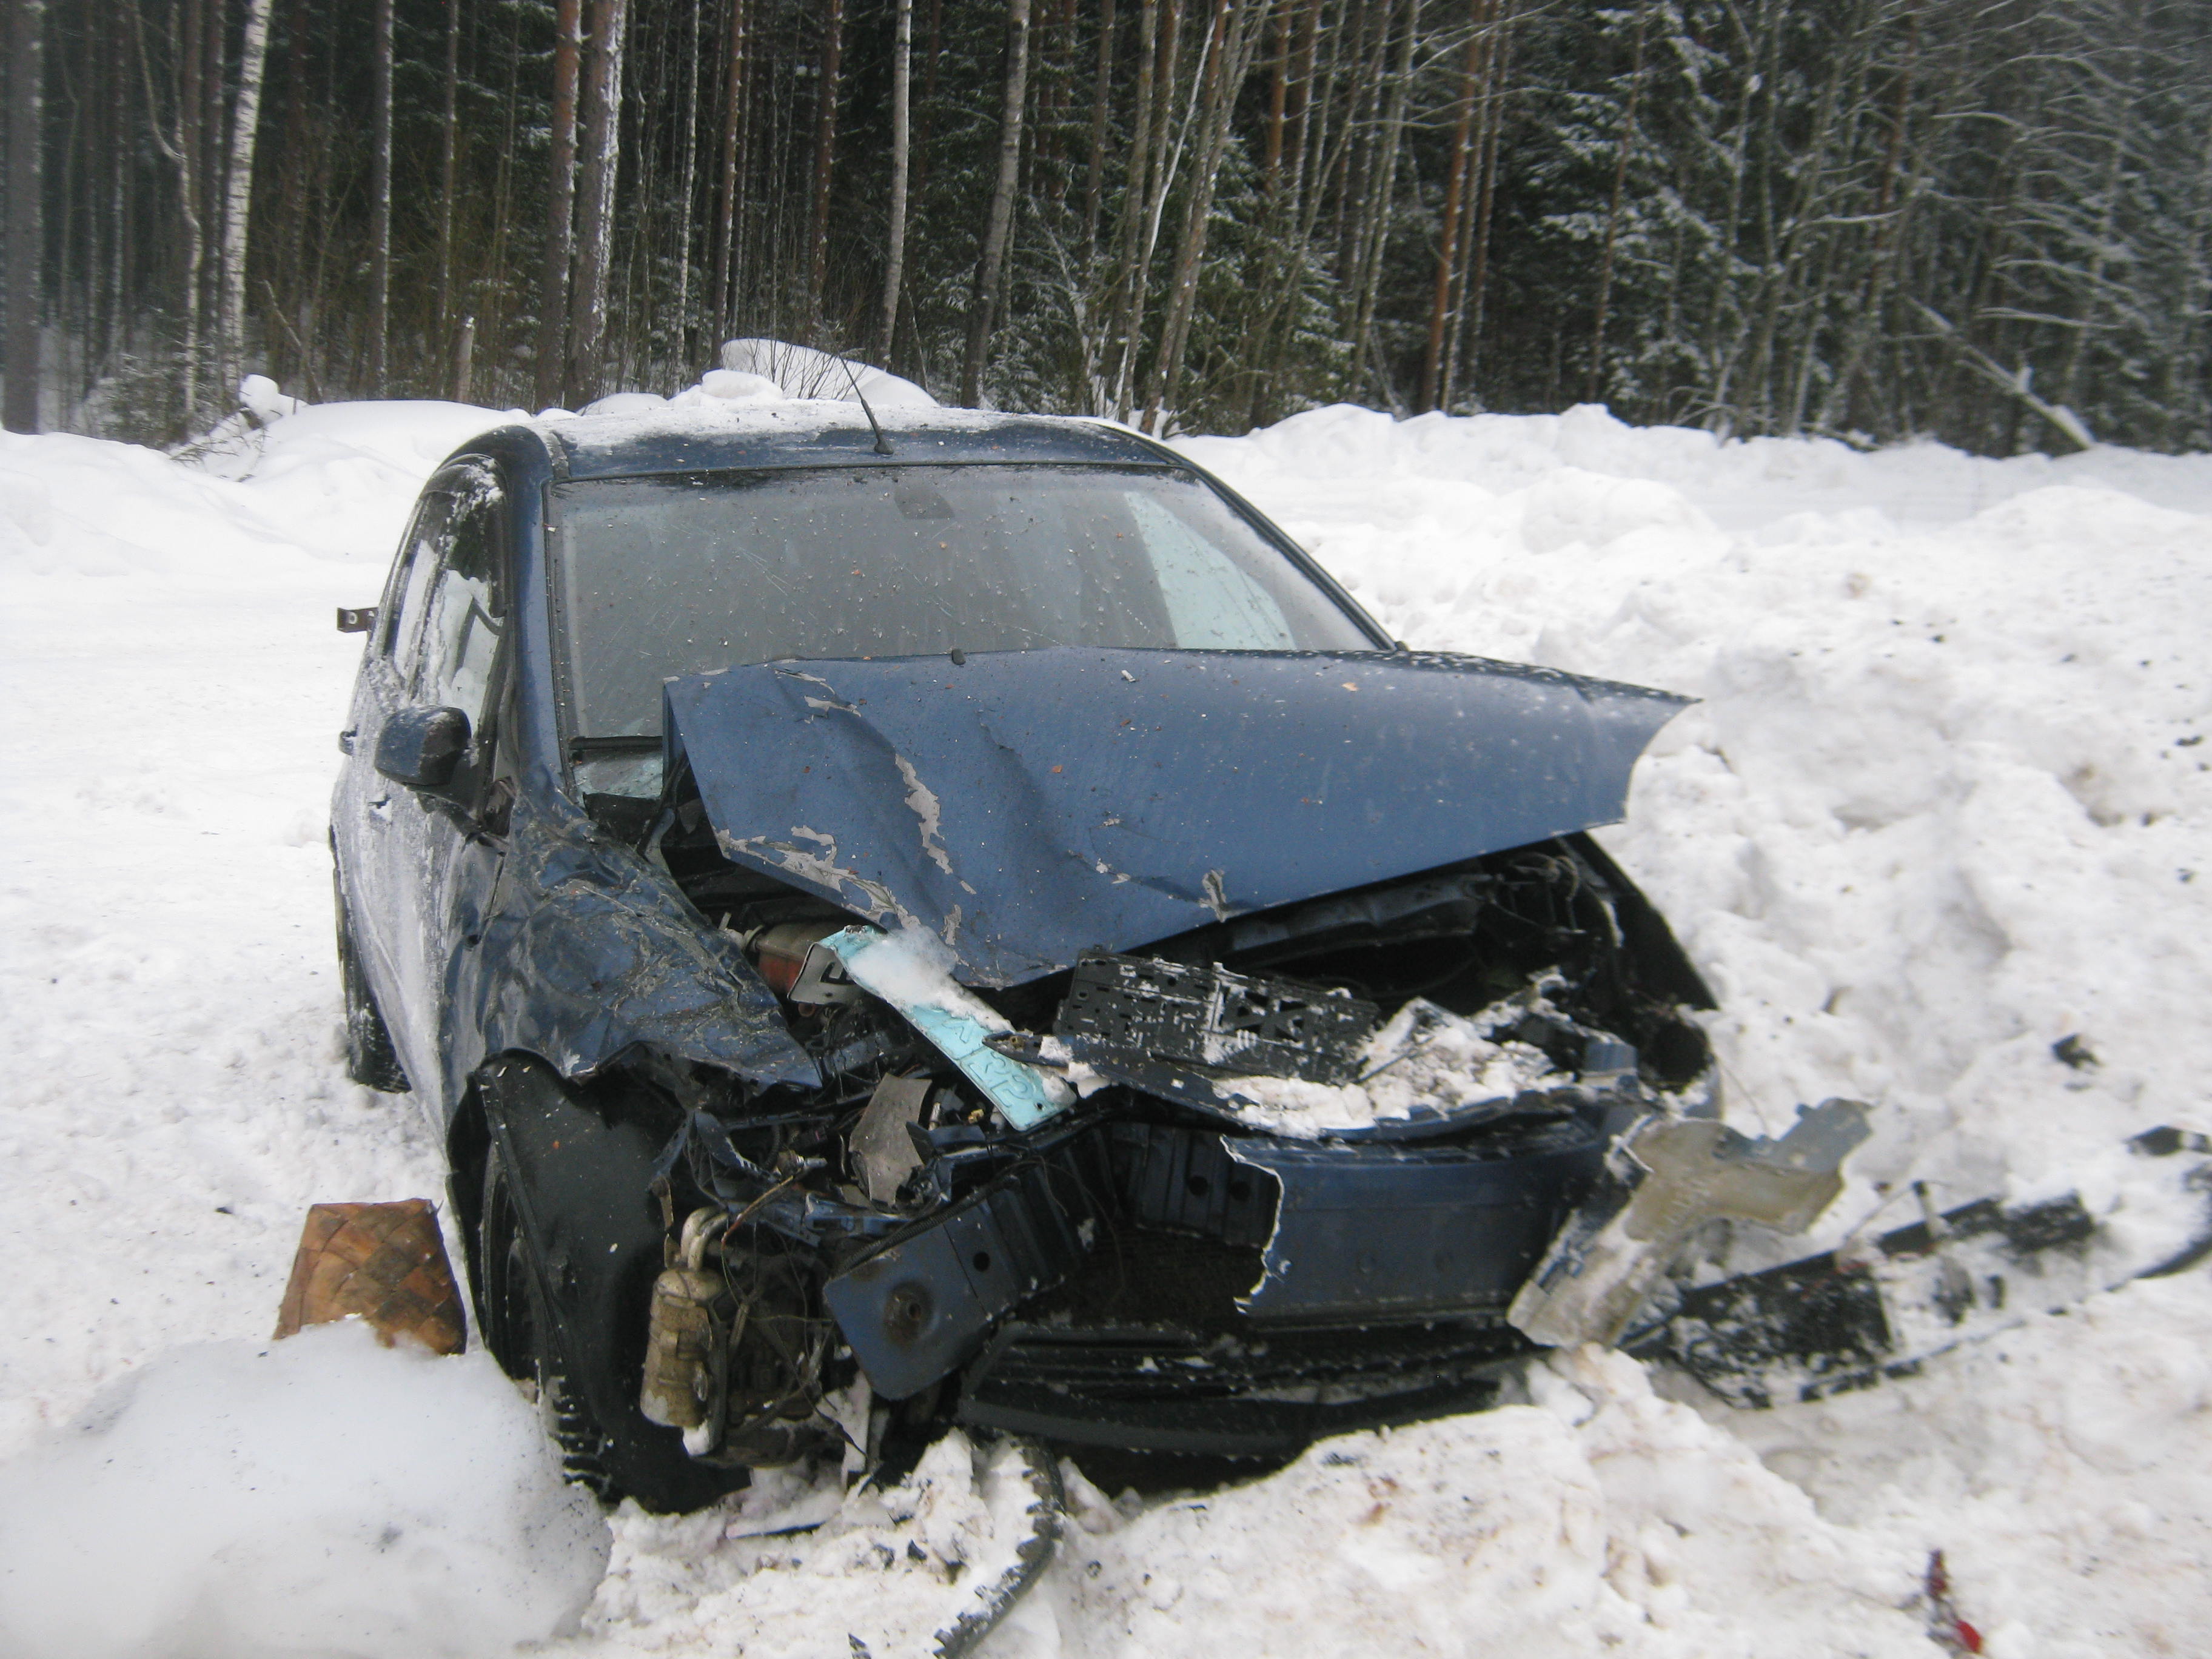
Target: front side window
x: 410, y: 581
x: 665, y: 576
x: 460, y: 633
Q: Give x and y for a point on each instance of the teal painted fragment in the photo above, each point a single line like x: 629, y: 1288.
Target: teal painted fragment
x: 955, y: 1021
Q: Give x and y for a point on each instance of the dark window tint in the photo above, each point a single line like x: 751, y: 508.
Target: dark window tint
x: 410, y: 581
x: 665, y: 576
x: 461, y: 629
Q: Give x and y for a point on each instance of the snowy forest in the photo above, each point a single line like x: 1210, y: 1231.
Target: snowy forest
x: 1988, y: 221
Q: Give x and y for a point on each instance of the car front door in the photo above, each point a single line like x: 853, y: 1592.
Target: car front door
x: 440, y: 847
x: 365, y: 814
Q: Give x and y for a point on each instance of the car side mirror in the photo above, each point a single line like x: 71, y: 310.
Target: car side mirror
x: 420, y: 747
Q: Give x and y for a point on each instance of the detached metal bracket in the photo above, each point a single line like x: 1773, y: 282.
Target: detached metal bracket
x: 1667, y: 1177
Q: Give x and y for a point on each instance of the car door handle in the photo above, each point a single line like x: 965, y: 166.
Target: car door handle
x: 379, y: 806
x: 346, y: 737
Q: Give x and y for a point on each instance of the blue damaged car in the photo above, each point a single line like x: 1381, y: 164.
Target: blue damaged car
x: 964, y: 922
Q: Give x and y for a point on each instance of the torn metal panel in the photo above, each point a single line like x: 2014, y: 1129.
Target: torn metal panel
x: 1671, y: 1176
x: 1207, y: 1016
x: 882, y: 1149
x: 1189, y: 1182
x: 586, y: 949
x: 920, y: 1306
x: 1841, y: 1319
x: 1030, y: 806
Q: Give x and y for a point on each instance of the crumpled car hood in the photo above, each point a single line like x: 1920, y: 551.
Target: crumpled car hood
x: 1028, y: 806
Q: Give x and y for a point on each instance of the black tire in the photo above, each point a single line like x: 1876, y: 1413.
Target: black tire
x: 636, y: 1459
x: 370, y: 1059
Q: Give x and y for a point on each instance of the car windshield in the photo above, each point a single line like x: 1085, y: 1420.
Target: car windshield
x: 668, y: 575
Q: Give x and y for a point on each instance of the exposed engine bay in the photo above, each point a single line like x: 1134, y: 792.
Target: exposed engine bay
x: 1309, y: 1155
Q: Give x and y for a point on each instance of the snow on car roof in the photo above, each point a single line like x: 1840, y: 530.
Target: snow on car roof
x: 681, y: 435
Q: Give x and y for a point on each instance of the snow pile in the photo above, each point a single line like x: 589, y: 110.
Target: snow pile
x: 171, y: 692
x: 756, y: 373
x: 803, y: 372
x: 340, y: 477
x: 887, y: 1571
x: 322, y: 1495
x: 1942, y: 805
x: 1600, y: 1519
x: 1424, y: 1058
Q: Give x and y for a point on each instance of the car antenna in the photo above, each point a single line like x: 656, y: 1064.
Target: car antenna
x: 883, y: 446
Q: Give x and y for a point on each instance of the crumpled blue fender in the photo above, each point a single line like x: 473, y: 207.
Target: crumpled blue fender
x: 588, y: 948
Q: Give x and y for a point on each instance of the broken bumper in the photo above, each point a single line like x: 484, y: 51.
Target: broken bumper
x: 1346, y: 1280
x: 1264, y: 1396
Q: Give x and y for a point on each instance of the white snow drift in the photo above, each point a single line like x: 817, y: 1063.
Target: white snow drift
x: 1945, y: 802
x: 317, y: 1496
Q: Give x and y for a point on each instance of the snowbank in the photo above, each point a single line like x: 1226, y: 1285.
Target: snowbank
x: 1945, y: 803
x: 1599, y: 1519
x: 321, y: 1495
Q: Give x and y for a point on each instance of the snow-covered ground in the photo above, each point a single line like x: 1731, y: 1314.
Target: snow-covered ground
x: 1944, y: 804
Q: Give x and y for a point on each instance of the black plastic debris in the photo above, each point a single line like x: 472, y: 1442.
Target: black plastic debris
x: 1209, y: 1015
x: 2070, y: 1050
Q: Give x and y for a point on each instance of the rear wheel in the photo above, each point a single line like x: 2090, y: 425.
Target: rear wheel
x: 370, y: 1059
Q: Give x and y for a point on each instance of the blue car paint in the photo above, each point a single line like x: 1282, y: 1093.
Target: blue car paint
x: 553, y: 939
x: 1027, y: 806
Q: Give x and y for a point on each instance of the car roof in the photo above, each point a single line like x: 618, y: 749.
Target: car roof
x: 822, y: 432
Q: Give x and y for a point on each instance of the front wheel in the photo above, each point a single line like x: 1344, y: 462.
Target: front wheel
x: 610, y: 1449
x: 518, y: 1330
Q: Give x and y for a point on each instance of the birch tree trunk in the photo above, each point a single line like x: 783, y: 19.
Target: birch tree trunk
x: 825, y: 164
x: 25, y: 239
x: 380, y: 194
x: 191, y: 203
x: 895, y: 249
x: 560, y: 207
x: 1229, y: 62
x: 990, y: 268
x: 1433, y: 360
x: 724, y: 304
x: 237, y: 196
x: 587, y: 308
x: 449, y: 172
